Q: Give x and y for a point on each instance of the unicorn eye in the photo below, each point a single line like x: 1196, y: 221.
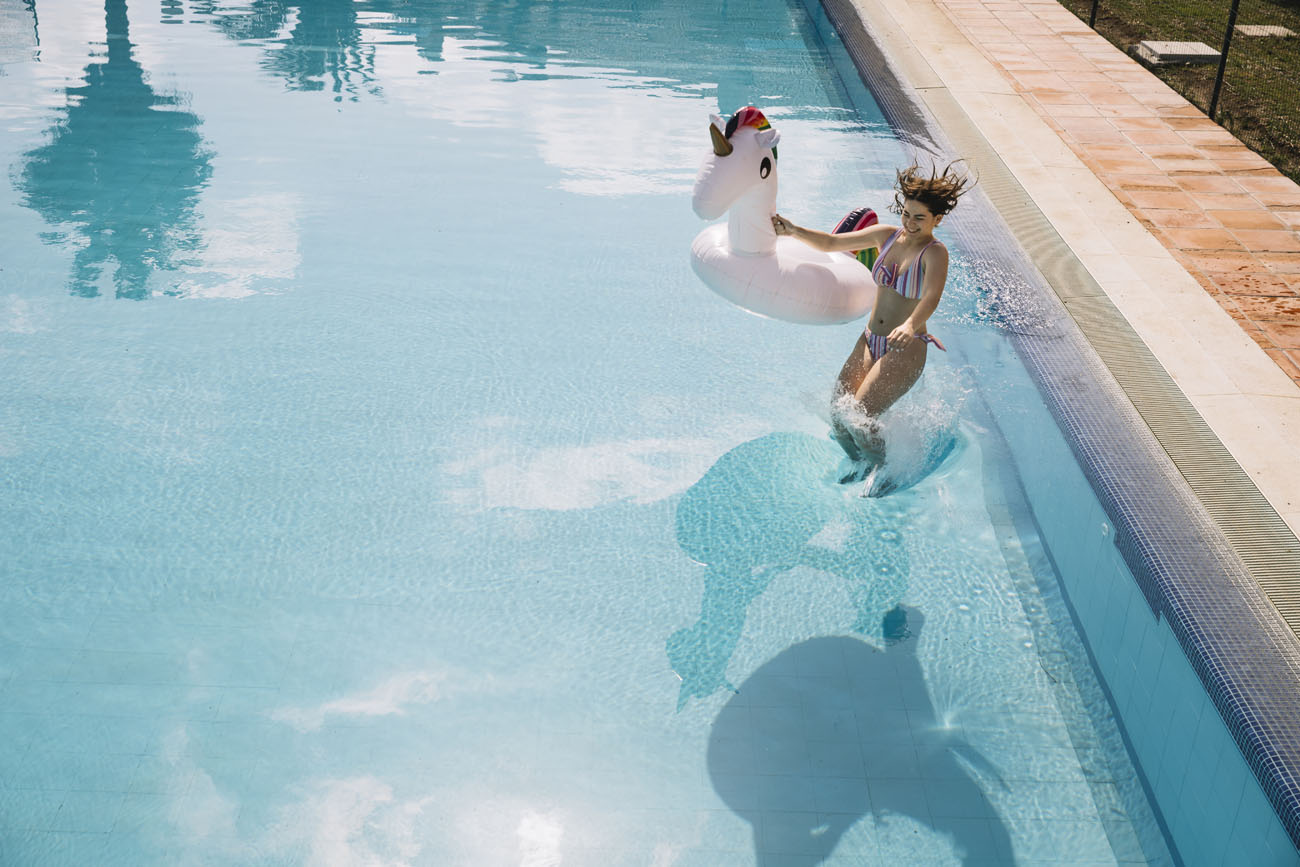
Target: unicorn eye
x: 765, y: 168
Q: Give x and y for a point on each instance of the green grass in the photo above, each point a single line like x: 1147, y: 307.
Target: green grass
x: 1260, y: 98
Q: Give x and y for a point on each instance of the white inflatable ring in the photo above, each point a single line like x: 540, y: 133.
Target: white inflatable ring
x: 744, y: 261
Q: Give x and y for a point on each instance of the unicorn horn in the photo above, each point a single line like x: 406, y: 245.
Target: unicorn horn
x: 721, y: 146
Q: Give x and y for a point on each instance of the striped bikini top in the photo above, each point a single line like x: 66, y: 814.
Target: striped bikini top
x: 906, y: 282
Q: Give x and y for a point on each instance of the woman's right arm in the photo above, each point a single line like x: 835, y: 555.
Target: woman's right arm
x: 863, y: 239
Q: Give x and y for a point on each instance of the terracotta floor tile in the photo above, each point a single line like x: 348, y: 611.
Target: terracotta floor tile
x: 1063, y: 54
x: 1124, y: 166
x: 1248, y: 219
x: 1014, y: 67
x: 990, y: 31
x: 1211, y: 183
x: 1281, y: 263
x: 1268, y: 308
x: 1172, y: 218
x: 1148, y: 182
x: 1243, y: 169
x: 1088, y: 162
x: 1125, y: 111
x: 1185, y: 166
x: 1265, y: 340
x: 1229, y: 305
x: 1237, y: 262
x: 1090, y: 123
x: 1200, y: 190
x: 1039, y: 80
x: 1216, y: 202
x: 1168, y: 151
x: 1286, y: 335
x: 1156, y: 103
x: 1240, y: 170
x: 1067, y: 109
x: 1102, y: 97
x: 1148, y: 122
x: 1194, y: 123
x: 1273, y: 183
x: 1203, y: 239
x: 1089, y: 78
x: 1096, y: 134
x: 1280, y: 199
x: 1072, y: 68
x: 1153, y: 137
x: 1186, y: 110
x: 1253, y: 282
x: 1048, y: 96
x: 1137, y: 79
x: 1160, y: 199
x: 1264, y: 240
x: 1207, y: 284
x: 1286, y: 362
x: 1232, y: 151
x: 1210, y: 137
x: 1116, y: 152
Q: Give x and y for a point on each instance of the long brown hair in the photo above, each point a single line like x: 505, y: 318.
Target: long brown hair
x: 939, y: 191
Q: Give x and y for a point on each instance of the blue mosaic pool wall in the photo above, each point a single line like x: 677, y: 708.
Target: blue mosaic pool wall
x: 1214, y: 810
x: 1198, y: 595
x: 1203, y: 636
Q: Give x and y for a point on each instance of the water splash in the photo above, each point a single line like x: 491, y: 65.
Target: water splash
x: 908, y: 442
x: 993, y: 292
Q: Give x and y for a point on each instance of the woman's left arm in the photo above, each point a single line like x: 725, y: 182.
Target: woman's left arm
x: 934, y: 274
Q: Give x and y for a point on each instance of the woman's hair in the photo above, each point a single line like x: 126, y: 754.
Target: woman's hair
x: 939, y: 192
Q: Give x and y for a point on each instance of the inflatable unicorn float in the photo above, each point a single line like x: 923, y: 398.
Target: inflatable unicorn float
x: 744, y: 260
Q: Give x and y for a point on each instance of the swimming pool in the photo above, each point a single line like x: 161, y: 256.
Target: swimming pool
x: 382, y: 487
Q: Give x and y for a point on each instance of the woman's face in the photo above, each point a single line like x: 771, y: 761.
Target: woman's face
x: 917, y: 218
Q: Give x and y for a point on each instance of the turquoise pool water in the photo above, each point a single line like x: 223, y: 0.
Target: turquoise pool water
x: 381, y: 487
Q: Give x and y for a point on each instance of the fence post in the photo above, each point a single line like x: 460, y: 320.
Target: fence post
x: 1092, y: 16
x: 1223, y: 58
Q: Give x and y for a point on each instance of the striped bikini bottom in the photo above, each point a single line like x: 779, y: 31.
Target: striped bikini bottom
x: 878, y: 345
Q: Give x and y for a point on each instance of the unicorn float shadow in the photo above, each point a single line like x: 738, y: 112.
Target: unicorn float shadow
x: 744, y: 261
x: 769, y: 506
x: 869, y: 744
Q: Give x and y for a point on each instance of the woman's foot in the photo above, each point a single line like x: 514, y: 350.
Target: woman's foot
x: 846, y: 441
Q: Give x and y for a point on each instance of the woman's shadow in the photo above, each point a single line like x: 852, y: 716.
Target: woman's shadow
x: 832, y: 730
x: 764, y: 508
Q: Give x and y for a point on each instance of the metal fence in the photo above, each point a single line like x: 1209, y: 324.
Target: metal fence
x: 1245, y: 72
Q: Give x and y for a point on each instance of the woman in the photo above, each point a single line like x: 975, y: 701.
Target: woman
x: 910, y: 272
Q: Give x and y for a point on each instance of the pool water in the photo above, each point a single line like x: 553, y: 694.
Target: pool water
x: 381, y: 487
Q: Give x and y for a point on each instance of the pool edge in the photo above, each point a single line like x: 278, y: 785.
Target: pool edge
x: 1260, y: 543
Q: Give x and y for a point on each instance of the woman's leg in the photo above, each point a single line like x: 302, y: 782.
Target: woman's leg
x: 855, y: 370
x: 890, y: 378
x: 884, y: 382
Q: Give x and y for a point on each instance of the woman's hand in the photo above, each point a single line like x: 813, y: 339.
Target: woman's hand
x: 781, y: 225
x: 901, y: 337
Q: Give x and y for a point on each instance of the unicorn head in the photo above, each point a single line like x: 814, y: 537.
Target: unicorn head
x: 739, y: 177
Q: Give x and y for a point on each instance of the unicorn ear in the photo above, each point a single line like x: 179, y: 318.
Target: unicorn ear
x: 767, y: 138
x: 718, y: 121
